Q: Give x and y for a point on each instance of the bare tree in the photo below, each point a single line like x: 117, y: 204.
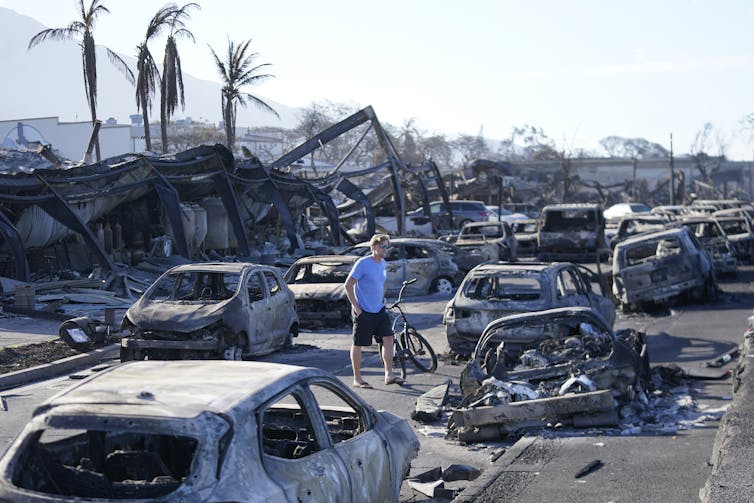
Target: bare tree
x: 632, y: 148
x: 708, y: 139
x: 470, y: 147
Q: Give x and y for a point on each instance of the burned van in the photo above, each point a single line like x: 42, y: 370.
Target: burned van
x: 571, y: 232
x: 661, y: 266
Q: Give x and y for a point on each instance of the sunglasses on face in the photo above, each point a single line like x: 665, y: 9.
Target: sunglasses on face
x: 384, y: 247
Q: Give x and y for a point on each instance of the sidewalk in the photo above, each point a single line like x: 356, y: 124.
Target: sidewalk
x: 16, y: 330
x: 732, y: 456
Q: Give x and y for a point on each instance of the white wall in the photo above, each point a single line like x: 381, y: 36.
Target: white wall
x: 70, y: 139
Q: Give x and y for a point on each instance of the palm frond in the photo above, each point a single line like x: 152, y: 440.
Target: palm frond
x: 56, y: 34
x: 261, y: 104
x: 121, y: 65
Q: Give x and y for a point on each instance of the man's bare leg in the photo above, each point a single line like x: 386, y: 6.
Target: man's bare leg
x: 387, y: 358
x: 356, y: 364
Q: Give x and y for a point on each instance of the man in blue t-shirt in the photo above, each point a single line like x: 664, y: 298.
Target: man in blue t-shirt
x: 365, y: 289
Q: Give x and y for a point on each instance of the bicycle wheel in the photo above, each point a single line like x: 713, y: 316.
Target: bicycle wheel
x: 399, y: 357
x: 419, y: 350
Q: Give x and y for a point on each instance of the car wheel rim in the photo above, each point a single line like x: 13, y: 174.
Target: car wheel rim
x: 443, y: 286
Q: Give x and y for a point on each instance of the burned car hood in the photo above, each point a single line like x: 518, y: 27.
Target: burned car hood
x: 176, y: 316
x: 319, y: 291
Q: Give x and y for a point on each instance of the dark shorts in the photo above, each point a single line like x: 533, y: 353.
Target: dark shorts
x: 368, y: 325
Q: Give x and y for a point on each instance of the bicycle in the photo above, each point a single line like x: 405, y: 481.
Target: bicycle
x: 408, y: 343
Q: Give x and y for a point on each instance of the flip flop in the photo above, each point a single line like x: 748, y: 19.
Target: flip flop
x: 364, y: 385
x: 395, y: 380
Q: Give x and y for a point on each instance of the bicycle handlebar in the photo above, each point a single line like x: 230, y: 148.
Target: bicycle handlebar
x: 400, y: 293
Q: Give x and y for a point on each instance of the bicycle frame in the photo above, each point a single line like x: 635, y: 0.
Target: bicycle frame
x: 408, y: 343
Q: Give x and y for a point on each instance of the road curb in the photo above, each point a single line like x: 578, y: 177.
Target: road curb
x: 47, y: 370
x: 730, y: 478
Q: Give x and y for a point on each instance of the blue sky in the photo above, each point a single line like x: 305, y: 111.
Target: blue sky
x: 580, y: 70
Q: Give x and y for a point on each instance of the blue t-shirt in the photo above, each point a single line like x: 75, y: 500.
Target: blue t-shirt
x: 370, y: 277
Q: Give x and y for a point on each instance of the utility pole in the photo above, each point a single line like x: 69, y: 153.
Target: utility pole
x: 636, y: 197
x: 671, y: 185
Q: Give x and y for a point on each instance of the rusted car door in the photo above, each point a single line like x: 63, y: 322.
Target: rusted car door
x: 396, y: 269
x: 600, y: 296
x: 260, y: 320
x: 281, y: 306
x: 297, y: 455
x: 570, y: 290
x: 420, y: 264
x: 363, y: 451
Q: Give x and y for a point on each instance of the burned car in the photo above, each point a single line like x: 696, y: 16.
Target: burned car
x: 662, y: 266
x: 638, y: 223
x: 409, y: 258
x: 525, y: 232
x: 713, y: 238
x: 208, y: 431
x: 318, y: 285
x: 492, y: 240
x: 493, y: 290
x: 558, y: 365
x: 466, y: 260
x: 225, y: 310
x: 571, y: 232
x: 738, y: 230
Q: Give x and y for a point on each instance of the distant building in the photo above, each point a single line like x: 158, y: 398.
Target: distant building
x: 266, y: 144
x: 68, y: 139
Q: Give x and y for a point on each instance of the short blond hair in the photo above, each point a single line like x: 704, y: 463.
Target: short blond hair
x: 378, y: 238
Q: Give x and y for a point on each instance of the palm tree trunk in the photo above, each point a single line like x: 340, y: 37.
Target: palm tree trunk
x: 93, y: 108
x: 145, y: 117
x: 228, y: 118
x: 163, y: 118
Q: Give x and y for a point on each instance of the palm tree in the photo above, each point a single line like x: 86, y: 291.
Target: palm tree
x: 236, y: 72
x: 84, y: 28
x: 171, y: 89
x: 147, y: 73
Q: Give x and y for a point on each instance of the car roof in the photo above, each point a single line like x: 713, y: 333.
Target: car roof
x: 491, y: 223
x: 557, y: 312
x: 218, y: 266
x: 180, y: 388
x: 327, y: 259
x: 493, y: 267
x: 572, y: 206
x: 418, y: 241
x: 652, y: 235
x: 460, y: 201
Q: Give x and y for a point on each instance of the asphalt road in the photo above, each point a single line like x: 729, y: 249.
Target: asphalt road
x: 668, y: 467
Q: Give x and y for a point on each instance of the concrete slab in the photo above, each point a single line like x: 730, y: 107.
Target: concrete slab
x: 16, y: 330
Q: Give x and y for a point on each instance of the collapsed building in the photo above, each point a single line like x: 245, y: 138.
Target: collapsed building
x: 196, y: 204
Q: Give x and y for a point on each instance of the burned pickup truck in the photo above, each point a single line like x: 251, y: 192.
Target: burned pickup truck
x: 661, y: 266
x: 211, y: 310
x: 560, y: 365
x: 571, y: 232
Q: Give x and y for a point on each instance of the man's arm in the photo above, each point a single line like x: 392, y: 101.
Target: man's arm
x: 351, y: 294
